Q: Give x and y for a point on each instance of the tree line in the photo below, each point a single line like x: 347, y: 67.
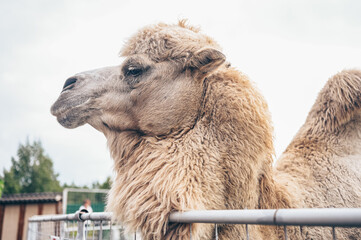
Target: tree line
x: 32, y: 171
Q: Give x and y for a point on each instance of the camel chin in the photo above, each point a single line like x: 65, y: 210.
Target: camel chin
x: 71, y: 119
x: 71, y: 112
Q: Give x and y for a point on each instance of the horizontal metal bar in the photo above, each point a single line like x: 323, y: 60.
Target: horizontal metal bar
x: 49, y: 218
x: 338, y: 217
x: 341, y: 217
x: 224, y: 216
x: 105, y: 216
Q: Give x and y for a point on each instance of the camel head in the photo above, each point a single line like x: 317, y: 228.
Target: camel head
x: 156, y: 90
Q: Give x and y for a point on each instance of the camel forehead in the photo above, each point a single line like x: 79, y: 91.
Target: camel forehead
x: 167, y: 42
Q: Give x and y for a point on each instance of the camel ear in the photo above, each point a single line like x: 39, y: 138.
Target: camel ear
x: 206, y: 60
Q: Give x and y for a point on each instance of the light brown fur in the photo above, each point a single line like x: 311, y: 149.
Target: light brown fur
x: 324, y: 158
x: 189, y: 132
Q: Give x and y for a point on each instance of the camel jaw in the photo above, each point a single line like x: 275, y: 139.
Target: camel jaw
x: 70, y: 111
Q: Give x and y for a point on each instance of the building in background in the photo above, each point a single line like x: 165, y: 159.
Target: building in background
x: 15, y: 209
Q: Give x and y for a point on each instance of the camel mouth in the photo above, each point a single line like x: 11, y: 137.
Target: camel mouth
x: 69, y: 116
x: 65, y: 121
x: 61, y: 113
x: 67, y: 103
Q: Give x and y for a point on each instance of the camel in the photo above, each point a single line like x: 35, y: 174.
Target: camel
x: 324, y: 158
x: 189, y: 132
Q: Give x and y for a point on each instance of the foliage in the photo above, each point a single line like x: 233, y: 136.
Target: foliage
x: 105, y: 185
x: 32, y: 171
x: 73, y: 185
x: 1, y: 186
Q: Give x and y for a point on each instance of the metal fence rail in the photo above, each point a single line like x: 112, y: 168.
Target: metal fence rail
x: 332, y: 217
x: 82, y: 229
x: 78, y: 226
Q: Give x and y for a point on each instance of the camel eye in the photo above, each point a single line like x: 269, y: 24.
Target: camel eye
x: 134, y: 71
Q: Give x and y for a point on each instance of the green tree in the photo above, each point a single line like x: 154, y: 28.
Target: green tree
x: 73, y: 185
x: 1, y: 186
x: 105, y: 185
x: 31, y: 171
x: 11, y: 184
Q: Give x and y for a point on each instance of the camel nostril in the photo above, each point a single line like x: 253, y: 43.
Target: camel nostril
x: 69, y: 82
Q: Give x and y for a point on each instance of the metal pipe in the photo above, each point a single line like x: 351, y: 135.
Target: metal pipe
x: 341, y: 217
x: 101, y: 231
x: 81, y: 231
x: 285, y: 232
x: 224, y: 216
x: 190, y: 232
x: 65, y: 200
x: 99, y: 216
x: 74, y: 216
x: 216, y: 231
x: 247, y: 232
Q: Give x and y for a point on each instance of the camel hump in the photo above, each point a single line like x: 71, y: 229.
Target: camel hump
x: 338, y: 102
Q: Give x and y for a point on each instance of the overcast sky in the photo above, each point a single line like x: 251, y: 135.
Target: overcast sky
x: 288, y: 48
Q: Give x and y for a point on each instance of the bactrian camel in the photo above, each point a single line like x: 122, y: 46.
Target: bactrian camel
x: 189, y: 132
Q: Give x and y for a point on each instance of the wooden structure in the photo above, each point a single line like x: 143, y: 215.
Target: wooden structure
x: 15, y: 210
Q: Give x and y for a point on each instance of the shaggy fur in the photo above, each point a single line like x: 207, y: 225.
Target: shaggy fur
x: 324, y: 158
x: 187, y: 132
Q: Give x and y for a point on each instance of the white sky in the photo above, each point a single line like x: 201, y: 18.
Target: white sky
x: 288, y: 48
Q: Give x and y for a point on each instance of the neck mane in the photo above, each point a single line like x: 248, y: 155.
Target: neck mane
x: 223, y: 162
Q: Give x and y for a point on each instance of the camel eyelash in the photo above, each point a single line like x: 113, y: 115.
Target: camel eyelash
x: 134, y: 71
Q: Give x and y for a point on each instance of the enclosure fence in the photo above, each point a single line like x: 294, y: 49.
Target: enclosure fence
x: 73, y: 199
x: 99, y: 226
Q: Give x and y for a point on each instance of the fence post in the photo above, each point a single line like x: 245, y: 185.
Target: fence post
x: 81, y: 227
x: 81, y: 231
